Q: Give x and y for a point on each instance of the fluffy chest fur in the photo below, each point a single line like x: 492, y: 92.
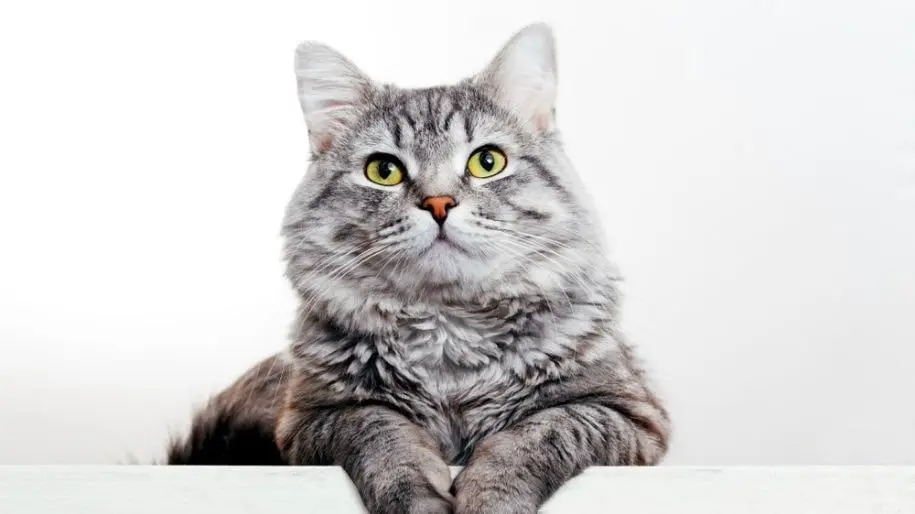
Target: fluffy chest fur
x: 454, y: 360
x: 460, y: 372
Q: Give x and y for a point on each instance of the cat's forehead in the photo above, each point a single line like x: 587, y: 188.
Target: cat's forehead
x: 431, y: 121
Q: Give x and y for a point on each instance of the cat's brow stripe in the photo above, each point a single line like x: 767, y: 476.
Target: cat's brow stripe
x: 398, y: 134
x: 468, y: 127
x: 449, y: 117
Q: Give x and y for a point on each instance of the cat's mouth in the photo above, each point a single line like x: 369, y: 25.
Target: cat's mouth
x: 444, y: 243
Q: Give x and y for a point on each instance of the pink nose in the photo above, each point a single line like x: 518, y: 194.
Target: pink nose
x: 438, y: 206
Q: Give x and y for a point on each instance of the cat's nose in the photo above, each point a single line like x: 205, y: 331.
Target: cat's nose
x: 438, y: 206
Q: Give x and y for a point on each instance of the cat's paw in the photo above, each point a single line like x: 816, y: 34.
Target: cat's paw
x: 406, y: 494
x: 479, y: 492
x: 419, y: 503
x: 432, y: 505
x: 492, y: 502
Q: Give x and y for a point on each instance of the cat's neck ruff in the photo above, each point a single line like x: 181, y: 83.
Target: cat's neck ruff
x: 368, y: 304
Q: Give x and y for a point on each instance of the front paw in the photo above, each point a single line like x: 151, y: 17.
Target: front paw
x: 399, y: 494
x: 411, y: 502
x: 431, y: 505
x: 480, y: 491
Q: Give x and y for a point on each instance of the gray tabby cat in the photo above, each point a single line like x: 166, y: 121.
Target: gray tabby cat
x: 457, y: 307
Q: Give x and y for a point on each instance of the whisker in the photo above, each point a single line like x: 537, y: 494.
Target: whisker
x: 527, y: 258
x: 577, y: 269
x: 534, y: 249
x: 511, y: 226
x: 340, y: 272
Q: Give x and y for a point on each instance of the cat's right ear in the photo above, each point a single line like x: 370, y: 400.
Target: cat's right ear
x: 523, y: 75
x: 331, y: 88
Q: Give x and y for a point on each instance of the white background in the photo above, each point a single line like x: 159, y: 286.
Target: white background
x: 754, y: 163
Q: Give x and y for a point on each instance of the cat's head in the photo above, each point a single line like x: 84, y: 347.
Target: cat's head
x: 456, y: 190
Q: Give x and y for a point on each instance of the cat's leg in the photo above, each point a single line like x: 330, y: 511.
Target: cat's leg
x: 515, y: 471
x: 395, y: 465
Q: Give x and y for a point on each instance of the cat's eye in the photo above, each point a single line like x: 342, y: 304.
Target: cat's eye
x: 486, y: 162
x: 384, y: 170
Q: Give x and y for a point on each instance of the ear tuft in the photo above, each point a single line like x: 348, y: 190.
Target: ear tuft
x: 523, y: 76
x: 331, y: 89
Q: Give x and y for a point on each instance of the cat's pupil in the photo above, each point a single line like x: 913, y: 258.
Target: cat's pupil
x: 385, y: 169
x: 487, y: 161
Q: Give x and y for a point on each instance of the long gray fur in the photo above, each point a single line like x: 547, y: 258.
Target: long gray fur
x: 500, y: 350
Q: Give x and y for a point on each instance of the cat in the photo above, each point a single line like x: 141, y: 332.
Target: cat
x: 457, y: 306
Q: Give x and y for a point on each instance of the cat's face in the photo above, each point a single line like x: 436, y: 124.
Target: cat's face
x: 453, y: 186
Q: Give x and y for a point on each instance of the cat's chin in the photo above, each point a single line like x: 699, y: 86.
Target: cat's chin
x: 444, y: 262
x: 444, y: 247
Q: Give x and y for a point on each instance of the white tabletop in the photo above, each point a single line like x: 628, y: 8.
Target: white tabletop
x: 224, y: 490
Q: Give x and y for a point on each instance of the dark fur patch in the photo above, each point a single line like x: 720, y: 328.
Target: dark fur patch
x: 226, y: 438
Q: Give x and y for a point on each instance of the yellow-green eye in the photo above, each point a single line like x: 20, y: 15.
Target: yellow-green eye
x: 384, y: 170
x: 486, y: 162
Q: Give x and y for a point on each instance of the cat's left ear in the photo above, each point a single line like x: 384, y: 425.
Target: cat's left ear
x: 331, y: 91
x: 523, y: 76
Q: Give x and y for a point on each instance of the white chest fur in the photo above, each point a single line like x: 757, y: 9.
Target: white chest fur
x: 451, y: 351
